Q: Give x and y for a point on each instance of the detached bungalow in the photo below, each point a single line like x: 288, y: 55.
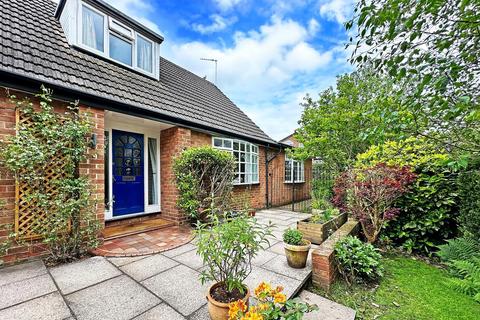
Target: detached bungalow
x: 146, y: 110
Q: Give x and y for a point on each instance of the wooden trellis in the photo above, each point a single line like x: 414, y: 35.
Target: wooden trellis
x: 28, y: 215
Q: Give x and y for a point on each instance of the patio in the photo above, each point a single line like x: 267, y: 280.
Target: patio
x: 160, y: 286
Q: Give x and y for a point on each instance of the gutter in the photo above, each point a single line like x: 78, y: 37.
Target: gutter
x: 31, y: 85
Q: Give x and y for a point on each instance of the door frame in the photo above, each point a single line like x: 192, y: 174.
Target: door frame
x: 148, y: 132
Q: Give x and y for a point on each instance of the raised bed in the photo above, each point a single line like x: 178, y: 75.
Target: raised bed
x: 318, y: 232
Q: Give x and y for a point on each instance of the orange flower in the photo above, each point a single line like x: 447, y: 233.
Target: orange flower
x: 252, y: 316
x: 278, y: 289
x: 279, y: 298
x: 233, y: 311
x: 263, y: 289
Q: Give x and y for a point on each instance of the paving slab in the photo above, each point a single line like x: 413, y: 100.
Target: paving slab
x: 48, y: 307
x: 78, y: 275
x: 190, y: 259
x: 119, y: 298
x: 258, y: 274
x: 327, y: 309
x: 278, y: 248
x: 279, y: 264
x: 178, y: 251
x: 200, y: 314
x: 180, y: 287
x: 21, y: 272
x: 145, y: 268
x: 21, y: 291
x: 263, y: 257
x: 160, y: 312
x: 121, y: 261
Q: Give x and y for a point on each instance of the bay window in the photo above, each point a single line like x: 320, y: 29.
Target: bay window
x: 294, y: 171
x: 246, y: 158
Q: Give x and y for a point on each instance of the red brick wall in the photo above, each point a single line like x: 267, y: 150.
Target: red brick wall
x: 172, y: 142
x: 93, y: 168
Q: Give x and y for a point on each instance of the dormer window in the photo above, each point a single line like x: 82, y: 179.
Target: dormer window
x: 98, y: 28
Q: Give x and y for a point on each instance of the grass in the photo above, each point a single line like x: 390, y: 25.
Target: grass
x: 411, y: 289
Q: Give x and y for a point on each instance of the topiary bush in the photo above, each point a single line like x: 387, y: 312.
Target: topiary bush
x: 469, y: 194
x: 428, y: 214
x: 357, y: 262
x: 204, y: 177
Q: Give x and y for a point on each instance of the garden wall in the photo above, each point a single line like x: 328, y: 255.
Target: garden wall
x: 324, y: 269
x: 93, y: 168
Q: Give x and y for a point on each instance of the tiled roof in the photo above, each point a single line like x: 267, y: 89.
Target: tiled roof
x: 33, y: 45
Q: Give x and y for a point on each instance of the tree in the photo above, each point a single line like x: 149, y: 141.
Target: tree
x: 431, y: 48
x: 345, y: 121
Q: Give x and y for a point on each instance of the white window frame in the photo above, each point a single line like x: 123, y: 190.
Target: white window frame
x: 293, y: 163
x: 108, y: 28
x: 255, y: 179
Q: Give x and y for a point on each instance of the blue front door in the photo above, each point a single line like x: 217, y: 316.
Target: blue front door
x: 128, y: 177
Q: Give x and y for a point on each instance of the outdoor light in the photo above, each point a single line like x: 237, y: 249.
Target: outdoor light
x: 93, y: 141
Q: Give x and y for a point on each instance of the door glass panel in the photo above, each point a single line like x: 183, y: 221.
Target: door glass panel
x: 127, y: 152
x: 152, y: 171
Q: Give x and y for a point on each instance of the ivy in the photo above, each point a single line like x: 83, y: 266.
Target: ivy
x: 70, y: 227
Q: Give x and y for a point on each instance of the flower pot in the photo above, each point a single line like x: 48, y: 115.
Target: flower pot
x: 219, y: 310
x: 297, y: 255
x: 251, y: 213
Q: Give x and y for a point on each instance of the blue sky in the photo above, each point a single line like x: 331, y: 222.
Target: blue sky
x: 271, y: 53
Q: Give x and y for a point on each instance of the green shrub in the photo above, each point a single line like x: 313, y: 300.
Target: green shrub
x: 227, y: 248
x: 429, y: 209
x: 357, y: 261
x: 204, y: 177
x: 458, y: 249
x: 293, y: 237
x: 469, y: 213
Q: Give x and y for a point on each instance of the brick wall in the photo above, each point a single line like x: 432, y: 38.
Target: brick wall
x: 93, y: 168
x: 324, y: 269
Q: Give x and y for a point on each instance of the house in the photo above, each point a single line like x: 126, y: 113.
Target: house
x: 146, y: 110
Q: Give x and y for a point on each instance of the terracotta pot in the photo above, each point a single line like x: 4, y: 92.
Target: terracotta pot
x: 251, y: 213
x: 297, y: 255
x: 219, y: 310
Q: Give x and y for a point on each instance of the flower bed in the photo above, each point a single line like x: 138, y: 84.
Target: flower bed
x: 317, y: 232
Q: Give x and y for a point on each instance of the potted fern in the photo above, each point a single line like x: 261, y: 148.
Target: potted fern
x: 227, y: 247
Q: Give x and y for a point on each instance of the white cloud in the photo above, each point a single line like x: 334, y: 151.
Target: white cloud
x: 265, y: 71
x: 225, y: 5
x: 219, y: 23
x: 337, y: 10
x: 313, y: 27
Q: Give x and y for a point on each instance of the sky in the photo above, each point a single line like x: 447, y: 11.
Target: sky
x: 270, y: 53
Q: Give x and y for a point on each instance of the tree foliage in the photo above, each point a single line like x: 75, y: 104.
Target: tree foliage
x: 431, y: 48
x: 345, y: 121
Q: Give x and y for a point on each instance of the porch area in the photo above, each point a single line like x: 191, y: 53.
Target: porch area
x: 159, y: 286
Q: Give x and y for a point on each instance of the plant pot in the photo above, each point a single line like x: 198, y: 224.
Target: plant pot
x: 297, y: 255
x: 219, y: 310
x: 251, y: 213
x: 318, y: 232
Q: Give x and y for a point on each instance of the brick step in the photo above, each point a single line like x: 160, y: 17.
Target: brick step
x: 128, y: 229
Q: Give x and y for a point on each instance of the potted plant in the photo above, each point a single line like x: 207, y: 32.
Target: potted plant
x: 296, y: 248
x: 271, y: 304
x: 227, y: 247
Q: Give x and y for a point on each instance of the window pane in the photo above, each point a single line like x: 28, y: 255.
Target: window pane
x: 152, y: 171
x: 288, y: 170
x: 144, y: 54
x: 120, y: 50
x: 217, y: 142
x: 92, y: 29
x: 227, y: 144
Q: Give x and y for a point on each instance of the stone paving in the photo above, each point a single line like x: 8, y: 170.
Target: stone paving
x: 161, y: 286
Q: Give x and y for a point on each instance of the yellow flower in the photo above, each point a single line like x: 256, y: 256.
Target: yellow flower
x: 263, y: 306
x: 235, y: 307
x: 279, y: 298
x: 252, y: 316
x: 263, y: 289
